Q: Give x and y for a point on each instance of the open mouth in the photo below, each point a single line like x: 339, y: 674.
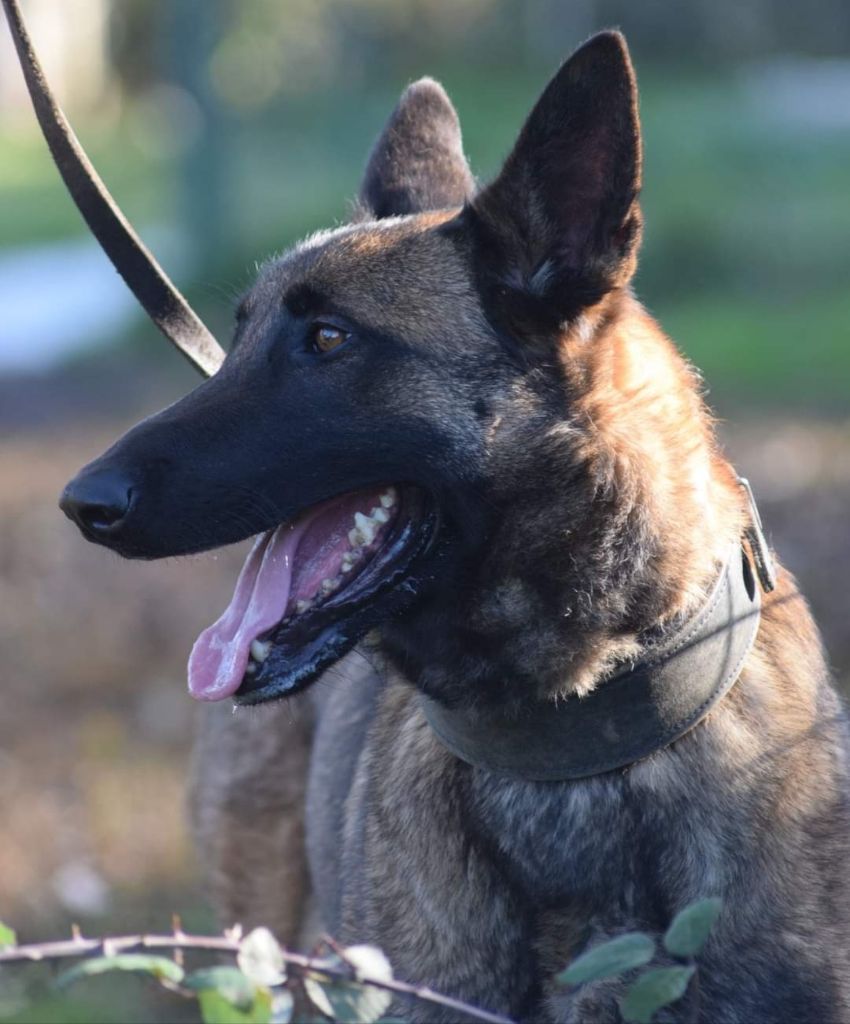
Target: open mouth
x: 309, y: 590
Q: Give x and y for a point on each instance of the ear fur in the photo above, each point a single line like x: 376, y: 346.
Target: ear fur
x: 560, y: 225
x: 417, y: 164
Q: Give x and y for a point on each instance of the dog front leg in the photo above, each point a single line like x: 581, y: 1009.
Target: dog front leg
x: 246, y: 796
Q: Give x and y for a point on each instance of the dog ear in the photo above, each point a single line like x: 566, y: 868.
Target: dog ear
x: 417, y: 164
x: 560, y: 225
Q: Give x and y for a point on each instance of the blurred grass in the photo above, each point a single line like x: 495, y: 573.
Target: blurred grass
x: 789, y: 352
x: 103, y: 1000
x: 745, y: 256
x: 36, y: 207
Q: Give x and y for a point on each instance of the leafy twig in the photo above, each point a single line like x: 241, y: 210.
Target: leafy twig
x: 78, y: 946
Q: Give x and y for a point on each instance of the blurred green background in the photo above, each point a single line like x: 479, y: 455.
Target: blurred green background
x: 229, y: 128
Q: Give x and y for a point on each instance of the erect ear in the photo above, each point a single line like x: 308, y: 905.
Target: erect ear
x: 560, y: 225
x: 417, y: 164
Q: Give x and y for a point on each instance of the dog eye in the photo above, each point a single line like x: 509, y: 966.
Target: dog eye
x: 326, y: 337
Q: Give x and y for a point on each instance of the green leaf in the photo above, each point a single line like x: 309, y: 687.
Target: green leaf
x: 351, y: 1002
x: 228, y: 982
x: 7, y: 936
x: 260, y: 958
x: 652, y: 990
x: 227, y: 996
x: 159, y: 967
x: 609, y: 959
x: 216, y: 1009
x: 282, y: 1007
x: 690, y: 928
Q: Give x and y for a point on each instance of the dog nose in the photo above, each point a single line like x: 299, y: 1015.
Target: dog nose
x: 97, y: 502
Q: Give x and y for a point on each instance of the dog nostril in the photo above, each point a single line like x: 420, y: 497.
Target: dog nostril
x: 103, y: 515
x: 97, y: 502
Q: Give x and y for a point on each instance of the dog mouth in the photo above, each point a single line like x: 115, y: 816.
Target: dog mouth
x: 309, y: 590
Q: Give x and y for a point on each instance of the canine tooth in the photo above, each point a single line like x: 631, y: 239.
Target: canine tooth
x: 380, y: 515
x: 302, y: 606
x: 260, y: 649
x: 388, y: 497
x: 366, y: 527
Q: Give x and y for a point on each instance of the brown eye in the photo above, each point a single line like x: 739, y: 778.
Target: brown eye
x: 326, y: 337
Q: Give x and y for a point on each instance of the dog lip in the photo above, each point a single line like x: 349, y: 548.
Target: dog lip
x: 304, y: 646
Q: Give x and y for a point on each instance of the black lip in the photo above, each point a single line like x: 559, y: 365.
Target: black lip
x: 305, y: 646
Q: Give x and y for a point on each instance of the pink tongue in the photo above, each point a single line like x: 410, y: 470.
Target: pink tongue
x: 219, y: 658
x: 285, y: 565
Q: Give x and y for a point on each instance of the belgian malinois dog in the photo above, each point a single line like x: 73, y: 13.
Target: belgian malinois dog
x: 562, y: 695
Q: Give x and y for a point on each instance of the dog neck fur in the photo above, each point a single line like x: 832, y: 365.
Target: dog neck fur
x: 648, y: 504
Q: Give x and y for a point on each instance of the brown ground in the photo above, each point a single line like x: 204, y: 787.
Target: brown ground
x: 96, y: 725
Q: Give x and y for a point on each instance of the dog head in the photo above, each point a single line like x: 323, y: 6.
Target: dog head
x: 397, y: 416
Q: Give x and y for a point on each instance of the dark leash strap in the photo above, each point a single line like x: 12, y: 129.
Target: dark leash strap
x: 163, y: 303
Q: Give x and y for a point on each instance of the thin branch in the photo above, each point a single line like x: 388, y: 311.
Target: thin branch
x: 77, y: 946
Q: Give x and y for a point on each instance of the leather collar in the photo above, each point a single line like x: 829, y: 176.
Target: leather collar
x: 630, y: 716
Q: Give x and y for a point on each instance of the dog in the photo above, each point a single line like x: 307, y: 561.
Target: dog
x: 562, y: 695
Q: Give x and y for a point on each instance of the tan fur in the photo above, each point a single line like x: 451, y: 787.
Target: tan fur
x: 564, y: 508
x: 571, y: 449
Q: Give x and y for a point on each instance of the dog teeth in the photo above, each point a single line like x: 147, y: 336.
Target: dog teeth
x: 366, y: 526
x: 360, y: 536
x: 260, y: 650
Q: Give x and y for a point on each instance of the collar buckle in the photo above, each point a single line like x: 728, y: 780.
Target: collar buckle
x: 754, y: 532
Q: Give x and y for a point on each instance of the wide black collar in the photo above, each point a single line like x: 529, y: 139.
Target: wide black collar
x: 635, y: 713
